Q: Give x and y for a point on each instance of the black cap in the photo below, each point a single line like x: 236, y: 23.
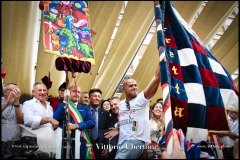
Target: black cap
x: 64, y: 85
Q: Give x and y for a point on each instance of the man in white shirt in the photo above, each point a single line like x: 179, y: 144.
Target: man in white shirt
x: 37, y: 114
x: 37, y: 111
x: 134, y: 131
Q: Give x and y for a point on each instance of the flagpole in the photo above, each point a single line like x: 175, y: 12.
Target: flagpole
x: 67, y: 116
x: 159, y: 19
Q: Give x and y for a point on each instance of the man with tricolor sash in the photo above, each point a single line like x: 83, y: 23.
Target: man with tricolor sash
x: 80, y: 118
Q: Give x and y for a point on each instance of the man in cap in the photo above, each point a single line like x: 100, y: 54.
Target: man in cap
x: 54, y: 101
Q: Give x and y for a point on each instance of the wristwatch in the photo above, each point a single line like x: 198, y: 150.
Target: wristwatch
x: 77, y: 125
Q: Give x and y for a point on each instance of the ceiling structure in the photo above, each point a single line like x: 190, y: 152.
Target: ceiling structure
x: 25, y: 62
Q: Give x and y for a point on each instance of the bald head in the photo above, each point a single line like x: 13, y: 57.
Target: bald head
x: 74, y: 93
x: 130, y: 88
x: 128, y: 81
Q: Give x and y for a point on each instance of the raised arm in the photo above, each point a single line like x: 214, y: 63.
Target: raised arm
x: 16, y: 103
x: 153, y: 86
x: 13, y: 99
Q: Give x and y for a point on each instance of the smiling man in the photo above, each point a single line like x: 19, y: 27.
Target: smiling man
x: 134, y: 131
x: 37, y: 111
x: 102, y: 124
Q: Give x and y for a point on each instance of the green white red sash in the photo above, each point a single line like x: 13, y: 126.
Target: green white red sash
x: 75, y: 114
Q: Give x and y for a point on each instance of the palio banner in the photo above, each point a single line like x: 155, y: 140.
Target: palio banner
x: 66, y: 29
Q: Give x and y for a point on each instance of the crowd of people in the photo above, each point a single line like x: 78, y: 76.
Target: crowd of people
x: 119, y: 129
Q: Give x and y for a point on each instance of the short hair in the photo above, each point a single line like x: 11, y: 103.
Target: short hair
x: 94, y: 90
x: 6, y: 86
x: 37, y: 83
x: 112, y: 98
x: 84, y: 92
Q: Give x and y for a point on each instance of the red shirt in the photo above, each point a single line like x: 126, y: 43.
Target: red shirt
x: 54, y: 101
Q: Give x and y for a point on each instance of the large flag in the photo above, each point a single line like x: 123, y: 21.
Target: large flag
x: 66, y: 30
x: 197, y: 89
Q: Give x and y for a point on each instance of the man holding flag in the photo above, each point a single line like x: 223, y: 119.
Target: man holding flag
x: 80, y: 118
x: 134, y: 131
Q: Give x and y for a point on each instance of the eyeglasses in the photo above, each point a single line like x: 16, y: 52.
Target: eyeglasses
x: 127, y: 105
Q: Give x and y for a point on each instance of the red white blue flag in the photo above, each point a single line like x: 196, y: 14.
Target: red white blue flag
x: 198, y: 88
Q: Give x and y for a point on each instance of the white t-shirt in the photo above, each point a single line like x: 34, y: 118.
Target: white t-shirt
x: 134, y: 123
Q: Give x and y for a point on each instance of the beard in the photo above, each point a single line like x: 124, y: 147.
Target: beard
x: 133, y: 95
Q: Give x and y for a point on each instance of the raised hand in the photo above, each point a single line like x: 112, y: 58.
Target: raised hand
x: 177, y: 152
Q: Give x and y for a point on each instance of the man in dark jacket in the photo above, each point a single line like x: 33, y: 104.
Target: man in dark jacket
x: 87, y: 123
x: 100, y: 143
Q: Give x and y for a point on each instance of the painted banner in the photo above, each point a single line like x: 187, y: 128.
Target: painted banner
x: 66, y: 30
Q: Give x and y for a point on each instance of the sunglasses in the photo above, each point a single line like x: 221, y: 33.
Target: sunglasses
x: 127, y: 105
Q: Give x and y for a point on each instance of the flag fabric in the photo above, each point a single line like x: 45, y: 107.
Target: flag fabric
x: 76, y: 115
x: 197, y: 89
x: 201, y: 150
x: 166, y: 141
x: 66, y: 30
x: 47, y: 81
x: 216, y: 145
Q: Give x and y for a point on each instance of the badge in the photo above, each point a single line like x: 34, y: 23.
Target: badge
x: 134, y: 125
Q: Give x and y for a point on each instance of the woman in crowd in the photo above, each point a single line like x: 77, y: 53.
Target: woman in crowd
x: 156, y: 121
x: 106, y: 105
